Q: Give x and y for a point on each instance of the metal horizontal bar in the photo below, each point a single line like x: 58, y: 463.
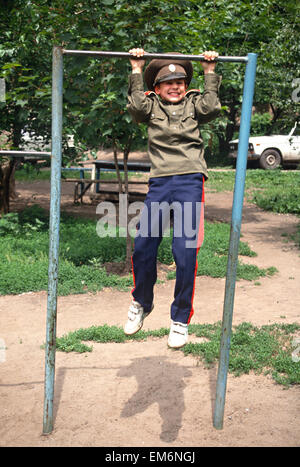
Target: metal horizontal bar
x: 4, y: 152
x: 150, y: 56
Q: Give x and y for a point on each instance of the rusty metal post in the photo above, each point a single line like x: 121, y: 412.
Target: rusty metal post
x: 57, y: 93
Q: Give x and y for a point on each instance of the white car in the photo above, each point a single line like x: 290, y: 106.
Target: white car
x: 31, y: 142
x: 272, y: 151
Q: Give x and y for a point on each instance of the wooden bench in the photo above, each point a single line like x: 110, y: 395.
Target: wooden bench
x: 79, y: 182
x: 101, y: 166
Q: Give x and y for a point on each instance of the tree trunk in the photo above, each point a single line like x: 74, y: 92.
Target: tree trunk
x: 229, y: 131
x: 276, y: 114
x: 6, y: 174
x: 8, y: 167
x: 12, y: 182
x: 117, y: 168
x: 128, y: 237
x: 127, y: 266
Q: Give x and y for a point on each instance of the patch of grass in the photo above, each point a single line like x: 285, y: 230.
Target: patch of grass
x: 19, y: 274
x: 266, y: 349
x: 278, y: 200
x: 25, y: 243
x: 31, y: 173
x: 72, y: 342
x: 272, y: 190
x: 24, y: 255
x: 220, y: 180
x: 212, y: 256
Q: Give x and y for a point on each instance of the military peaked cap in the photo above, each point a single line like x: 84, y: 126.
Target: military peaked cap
x: 160, y: 70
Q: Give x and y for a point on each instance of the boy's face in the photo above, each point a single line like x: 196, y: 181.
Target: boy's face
x: 172, y: 91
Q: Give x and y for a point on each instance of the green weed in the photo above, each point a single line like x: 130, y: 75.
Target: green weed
x: 263, y: 350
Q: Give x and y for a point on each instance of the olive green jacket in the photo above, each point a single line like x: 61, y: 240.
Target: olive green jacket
x: 175, y: 145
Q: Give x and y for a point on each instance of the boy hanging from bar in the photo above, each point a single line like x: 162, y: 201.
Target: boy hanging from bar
x: 178, y: 170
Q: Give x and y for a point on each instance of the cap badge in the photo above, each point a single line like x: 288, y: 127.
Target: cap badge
x: 172, y: 68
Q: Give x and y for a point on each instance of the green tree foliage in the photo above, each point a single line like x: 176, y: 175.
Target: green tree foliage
x: 95, y: 89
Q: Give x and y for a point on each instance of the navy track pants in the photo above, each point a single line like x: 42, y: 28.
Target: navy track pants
x: 183, y: 197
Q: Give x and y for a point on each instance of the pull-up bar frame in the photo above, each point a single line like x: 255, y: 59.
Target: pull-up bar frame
x: 151, y: 56
x: 56, y: 159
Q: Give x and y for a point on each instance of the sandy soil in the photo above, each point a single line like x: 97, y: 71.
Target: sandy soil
x: 142, y: 393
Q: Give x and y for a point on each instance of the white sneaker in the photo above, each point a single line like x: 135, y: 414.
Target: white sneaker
x: 178, y: 336
x: 136, y: 316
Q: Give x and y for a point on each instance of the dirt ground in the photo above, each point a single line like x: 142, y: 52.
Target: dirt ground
x: 142, y: 393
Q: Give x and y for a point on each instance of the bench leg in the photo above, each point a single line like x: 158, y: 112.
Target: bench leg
x: 98, y: 178
x: 83, y: 189
x: 76, y: 193
x: 93, y: 177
